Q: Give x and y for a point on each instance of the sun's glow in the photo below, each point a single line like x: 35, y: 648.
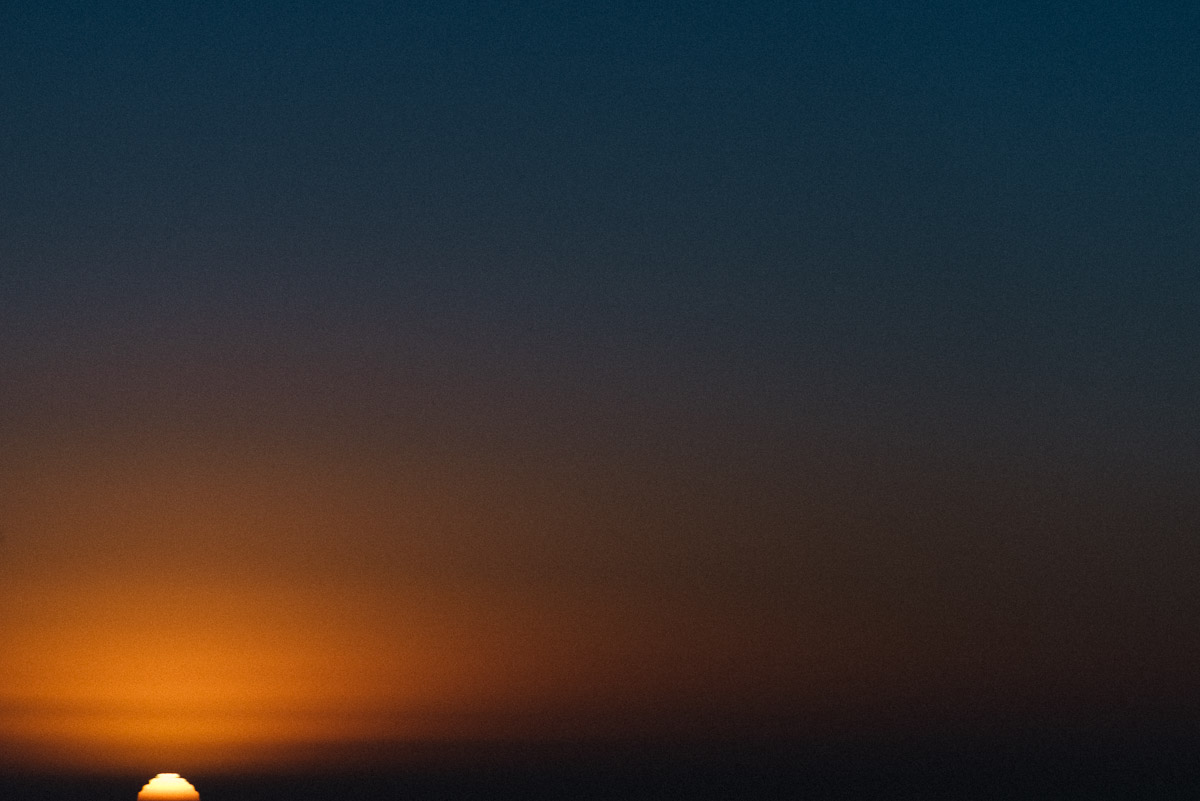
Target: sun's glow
x: 168, y: 787
x: 205, y: 613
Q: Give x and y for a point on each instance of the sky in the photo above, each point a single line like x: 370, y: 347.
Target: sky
x: 375, y: 374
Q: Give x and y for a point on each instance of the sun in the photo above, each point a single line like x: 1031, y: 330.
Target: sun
x: 168, y: 787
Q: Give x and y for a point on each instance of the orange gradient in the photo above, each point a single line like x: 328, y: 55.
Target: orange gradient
x: 219, y: 610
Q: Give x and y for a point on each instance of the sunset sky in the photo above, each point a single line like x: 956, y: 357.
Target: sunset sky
x: 385, y: 373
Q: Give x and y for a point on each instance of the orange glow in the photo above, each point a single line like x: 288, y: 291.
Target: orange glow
x: 123, y: 678
x: 214, y: 616
x: 221, y: 613
x: 168, y: 787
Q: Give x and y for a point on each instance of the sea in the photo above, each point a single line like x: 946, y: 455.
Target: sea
x: 1032, y: 769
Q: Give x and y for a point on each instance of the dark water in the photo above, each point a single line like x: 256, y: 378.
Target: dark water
x: 1026, y: 769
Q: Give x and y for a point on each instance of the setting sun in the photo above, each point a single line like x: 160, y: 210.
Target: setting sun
x: 168, y: 787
